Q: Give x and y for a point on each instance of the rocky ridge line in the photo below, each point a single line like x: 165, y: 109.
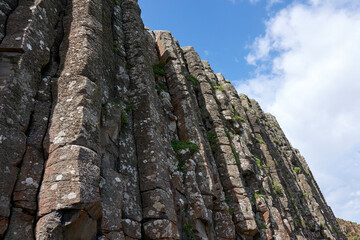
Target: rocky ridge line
x: 111, y: 131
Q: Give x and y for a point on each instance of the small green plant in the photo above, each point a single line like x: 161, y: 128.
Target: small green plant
x: 189, y: 231
x: 259, y: 140
x: 276, y: 140
x: 193, y: 80
x: 302, y: 223
x: 335, y: 229
x: 159, y: 69
x: 305, y: 194
x: 202, y: 112
x: 226, y: 199
x: 307, y: 173
x: 180, y: 145
x: 212, y: 140
x: 219, y: 87
x: 129, y: 108
x: 238, y: 118
x: 258, y: 195
x: 249, y: 102
x: 231, y: 211
x: 277, y: 189
x: 236, y: 115
x: 229, y: 135
x: 160, y: 88
x: 128, y: 66
x: 297, y: 169
x: 236, y: 155
x: 258, y: 162
x: 124, y: 120
x: 227, y: 81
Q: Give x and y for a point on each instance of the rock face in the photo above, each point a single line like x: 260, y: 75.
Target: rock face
x: 350, y: 229
x: 111, y: 131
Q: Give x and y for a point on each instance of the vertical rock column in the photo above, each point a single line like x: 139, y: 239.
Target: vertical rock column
x: 159, y: 217
x: 23, y: 51
x: 69, y: 201
x: 201, y: 181
x: 227, y: 166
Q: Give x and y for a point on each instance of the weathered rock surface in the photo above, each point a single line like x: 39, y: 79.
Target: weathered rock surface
x: 350, y: 229
x: 111, y: 131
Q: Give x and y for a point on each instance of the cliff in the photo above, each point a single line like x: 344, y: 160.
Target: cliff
x: 111, y: 131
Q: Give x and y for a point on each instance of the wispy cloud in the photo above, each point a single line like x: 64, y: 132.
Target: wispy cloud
x: 308, y: 77
x: 206, y: 52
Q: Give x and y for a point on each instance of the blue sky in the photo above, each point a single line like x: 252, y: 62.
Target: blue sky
x: 220, y: 30
x: 300, y: 60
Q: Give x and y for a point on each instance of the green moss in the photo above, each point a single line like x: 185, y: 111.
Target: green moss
x: 277, y: 189
x: 159, y: 69
x: 297, y: 169
x: 189, y: 231
x: 227, y: 81
x: 193, y: 80
x: 258, y: 162
x: 226, y: 199
x: 212, y: 140
x: 307, y: 173
x: 305, y: 194
x: 276, y: 140
x: 259, y: 140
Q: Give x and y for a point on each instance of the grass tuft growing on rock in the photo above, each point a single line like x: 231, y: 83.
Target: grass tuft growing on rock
x: 212, y: 140
x: 219, y: 87
x: 231, y: 211
x: 277, y: 189
x: 124, y: 120
x: 238, y: 118
x: 297, y: 169
x: 259, y: 140
x: 256, y: 196
x: 236, y: 155
x: 193, y: 80
x: 189, y: 231
x: 159, y: 69
x: 258, y: 162
x: 178, y: 145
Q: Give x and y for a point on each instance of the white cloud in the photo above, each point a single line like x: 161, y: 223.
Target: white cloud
x: 308, y: 76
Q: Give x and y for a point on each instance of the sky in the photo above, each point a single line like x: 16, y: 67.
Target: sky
x: 300, y: 60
